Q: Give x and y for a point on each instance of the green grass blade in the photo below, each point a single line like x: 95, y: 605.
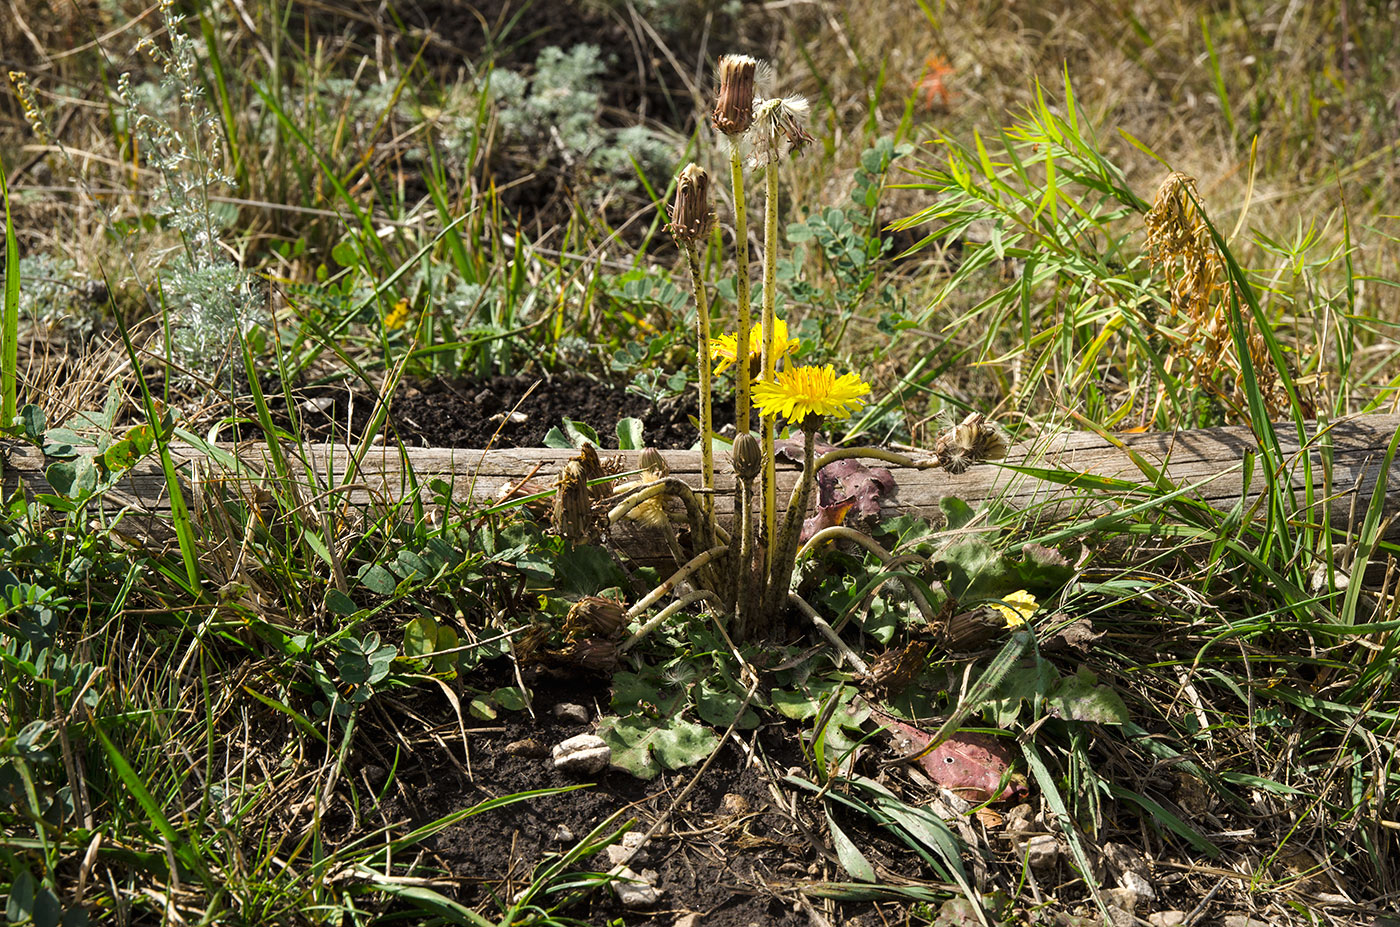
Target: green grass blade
x: 179, y: 846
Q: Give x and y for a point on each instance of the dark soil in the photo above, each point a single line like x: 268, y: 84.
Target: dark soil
x: 728, y: 852
x: 476, y: 413
x: 738, y: 850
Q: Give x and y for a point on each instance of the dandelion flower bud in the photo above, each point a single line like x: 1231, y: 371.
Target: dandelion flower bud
x: 733, y: 113
x: 748, y: 456
x: 653, y: 464
x: 690, y: 217
x: 593, y: 655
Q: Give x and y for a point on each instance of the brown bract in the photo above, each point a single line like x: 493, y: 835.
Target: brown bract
x: 690, y: 216
x: 733, y: 112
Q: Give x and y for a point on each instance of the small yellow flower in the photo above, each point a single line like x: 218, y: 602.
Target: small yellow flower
x: 725, y: 348
x: 805, y: 391
x: 395, y: 318
x: 1017, y: 607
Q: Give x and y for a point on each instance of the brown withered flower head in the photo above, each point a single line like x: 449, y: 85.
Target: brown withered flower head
x: 653, y: 465
x: 690, y: 216
x: 595, y: 615
x: 573, y: 509
x: 733, y: 113
x: 971, y: 441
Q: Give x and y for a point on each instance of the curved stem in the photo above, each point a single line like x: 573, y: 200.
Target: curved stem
x: 671, y: 485
x: 741, y: 289
x: 697, y: 562
x: 835, y: 640
x: 841, y: 532
x: 656, y: 620
x: 877, y: 453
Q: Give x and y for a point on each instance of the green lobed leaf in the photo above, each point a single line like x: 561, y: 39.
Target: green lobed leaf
x: 644, y: 746
x: 1081, y: 698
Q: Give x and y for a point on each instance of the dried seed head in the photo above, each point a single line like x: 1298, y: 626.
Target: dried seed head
x: 690, y: 216
x: 654, y: 467
x: 733, y: 113
x: 594, y: 655
x: 573, y: 510
x: 600, y: 615
x: 779, y: 129
x: 748, y: 456
x: 973, y: 440
x: 895, y: 670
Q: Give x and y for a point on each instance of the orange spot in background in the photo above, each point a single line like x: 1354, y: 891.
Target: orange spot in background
x: 932, y: 84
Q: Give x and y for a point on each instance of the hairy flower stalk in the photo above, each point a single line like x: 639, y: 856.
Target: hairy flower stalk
x: 776, y: 130
x: 785, y: 551
x: 733, y: 114
x: 748, y: 462
x: 690, y: 222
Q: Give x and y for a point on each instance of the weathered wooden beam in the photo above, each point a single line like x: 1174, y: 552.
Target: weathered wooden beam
x: 1340, y: 465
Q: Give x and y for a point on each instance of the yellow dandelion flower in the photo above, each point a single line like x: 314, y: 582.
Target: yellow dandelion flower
x: 1016, y: 608
x: 725, y: 348
x: 804, y: 391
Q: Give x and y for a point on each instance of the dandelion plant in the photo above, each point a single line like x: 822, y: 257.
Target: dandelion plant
x: 733, y: 114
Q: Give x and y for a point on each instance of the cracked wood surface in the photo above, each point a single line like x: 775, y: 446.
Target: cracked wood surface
x: 1341, y: 466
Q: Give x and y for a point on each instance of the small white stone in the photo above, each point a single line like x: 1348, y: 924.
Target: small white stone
x: 635, y: 891
x: 1133, y: 881
x: 586, y: 753
x: 1167, y: 919
x: 1020, y: 819
x: 1042, y: 851
x: 1120, y: 901
x: 568, y: 711
x: 688, y: 920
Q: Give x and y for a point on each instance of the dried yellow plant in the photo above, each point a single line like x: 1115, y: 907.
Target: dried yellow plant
x: 1181, y: 246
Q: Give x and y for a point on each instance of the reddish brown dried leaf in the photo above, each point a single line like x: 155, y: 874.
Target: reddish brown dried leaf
x: 971, y: 766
